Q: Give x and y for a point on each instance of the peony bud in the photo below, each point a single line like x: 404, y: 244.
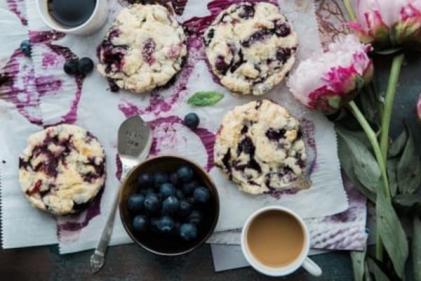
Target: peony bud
x: 388, y: 23
x: 330, y: 80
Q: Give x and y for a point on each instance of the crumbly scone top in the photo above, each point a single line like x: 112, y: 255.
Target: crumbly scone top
x: 62, y: 168
x: 250, y: 47
x: 143, y: 49
x: 260, y: 147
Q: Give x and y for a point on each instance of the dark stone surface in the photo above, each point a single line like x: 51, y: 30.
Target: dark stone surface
x: 129, y: 262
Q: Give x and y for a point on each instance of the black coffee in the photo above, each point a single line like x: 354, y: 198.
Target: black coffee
x: 71, y: 13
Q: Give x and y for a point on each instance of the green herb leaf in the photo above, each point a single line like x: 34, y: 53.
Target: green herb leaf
x: 365, y: 165
x: 379, y: 275
x: 409, y: 168
x: 398, y: 145
x: 416, y: 249
x: 357, y: 259
x: 392, y: 166
x: 205, y: 98
x: 407, y: 200
x: 392, y: 234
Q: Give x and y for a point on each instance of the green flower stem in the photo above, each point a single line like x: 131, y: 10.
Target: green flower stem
x: 350, y: 10
x: 380, y: 161
x: 371, y: 135
x: 388, y: 104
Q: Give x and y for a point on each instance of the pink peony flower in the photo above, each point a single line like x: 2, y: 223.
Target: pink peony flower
x: 419, y: 108
x: 328, y: 81
x: 387, y: 23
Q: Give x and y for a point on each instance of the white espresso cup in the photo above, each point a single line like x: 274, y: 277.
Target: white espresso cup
x: 301, y: 261
x: 94, y: 23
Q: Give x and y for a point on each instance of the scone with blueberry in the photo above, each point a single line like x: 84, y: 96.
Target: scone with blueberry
x: 260, y: 147
x: 250, y: 47
x: 62, y: 169
x: 143, y: 50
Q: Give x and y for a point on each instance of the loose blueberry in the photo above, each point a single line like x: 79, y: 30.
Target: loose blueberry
x: 191, y: 120
x: 144, y: 179
x: 71, y: 67
x: 26, y: 48
x: 189, y: 187
x: 152, y: 203
x: 140, y: 223
x: 166, y: 189
x: 160, y: 178
x: 185, y: 173
x: 201, y: 195
x: 135, y: 202
x: 170, y: 205
x: 86, y: 65
x: 188, y: 231
x: 185, y: 208
x: 166, y: 225
x: 195, y: 217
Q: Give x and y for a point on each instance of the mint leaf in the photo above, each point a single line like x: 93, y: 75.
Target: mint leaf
x: 205, y: 98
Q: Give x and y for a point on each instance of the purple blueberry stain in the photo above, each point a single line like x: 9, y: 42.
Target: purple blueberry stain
x: 18, y: 8
x: 148, y: 51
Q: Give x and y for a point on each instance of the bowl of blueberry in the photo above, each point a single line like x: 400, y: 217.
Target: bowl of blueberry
x: 169, y: 205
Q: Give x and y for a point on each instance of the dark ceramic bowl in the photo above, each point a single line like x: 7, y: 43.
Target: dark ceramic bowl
x: 160, y: 245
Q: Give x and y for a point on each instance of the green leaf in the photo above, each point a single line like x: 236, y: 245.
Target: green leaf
x: 409, y: 168
x: 398, y: 144
x: 416, y: 249
x: 369, y: 106
x: 365, y: 165
x: 392, y: 234
x: 358, y: 259
x: 379, y: 275
x: 407, y: 200
x: 393, y: 176
x: 205, y: 98
x: 347, y: 164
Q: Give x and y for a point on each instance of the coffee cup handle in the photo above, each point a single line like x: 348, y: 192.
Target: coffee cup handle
x: 311, y: 267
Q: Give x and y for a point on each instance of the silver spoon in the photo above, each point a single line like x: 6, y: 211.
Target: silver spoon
x: 134, y: 144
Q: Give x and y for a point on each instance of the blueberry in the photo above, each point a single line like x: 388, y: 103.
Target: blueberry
x: 146, y: 191
x: 167, y: 189
x: 160, y: 178
x: 174, y: 179
x: 185, y: 173
x: 154, y: 222
x: 165, y: 225
x: 26, y: 48
x: 189, y: 187
x: 188, y: 231
x: 185, y: 208
x: 179, y: 194
x: 201, y: 194
x: 170, y: 205
x: 144, y: 179
x: 86, y: 65
x: 195, y: 217
x: 71, y: 66
x: 135, y: 202
x: 152, y: 203
x: 140, y: 223
x: 191, y: 120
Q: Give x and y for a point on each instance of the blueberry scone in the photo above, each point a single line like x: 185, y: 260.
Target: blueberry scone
x: 260, y: 147
x: 143, y: 50
x: 250, y: 47
x: 62, y: 169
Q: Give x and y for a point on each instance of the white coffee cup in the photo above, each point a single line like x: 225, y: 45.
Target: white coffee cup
x: 301, y: 260
x: 94, y: 23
